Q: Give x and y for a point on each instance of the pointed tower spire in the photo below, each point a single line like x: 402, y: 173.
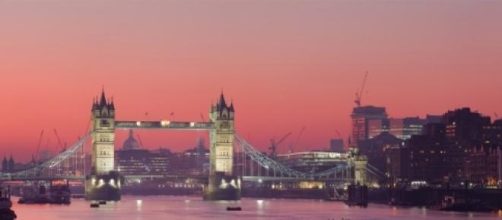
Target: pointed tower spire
x: 231, y: 108
x: 112, y: 105
x: 222, y: 102
x: 103, y: 98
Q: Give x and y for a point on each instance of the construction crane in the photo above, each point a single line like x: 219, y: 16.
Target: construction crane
x: 140, y: 141
x: 59, y: 140
x: 359, y: 95
x: 496, y: 115
x: 338, y: 133
x: 38, y: 146
x: 274, y: 144
x: 297, y: 140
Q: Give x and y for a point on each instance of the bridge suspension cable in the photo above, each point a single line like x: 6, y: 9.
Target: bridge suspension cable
x: 53, y: 162
x: 271, y: 164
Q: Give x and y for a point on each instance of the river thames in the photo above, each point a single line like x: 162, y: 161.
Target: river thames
x: 178, y: 207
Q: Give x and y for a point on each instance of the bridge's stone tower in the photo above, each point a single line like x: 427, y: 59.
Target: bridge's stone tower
x: 104, y: 182
x: 223, y: 184
x: 360, y: 163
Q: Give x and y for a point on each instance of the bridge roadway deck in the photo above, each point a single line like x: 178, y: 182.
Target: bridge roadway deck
x: 290, y: 179
x: 6, y: 177
x: 164, y: 124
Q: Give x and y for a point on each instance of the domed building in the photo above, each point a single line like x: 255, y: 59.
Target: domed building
x: 130, y: 143
x: 132, y: 159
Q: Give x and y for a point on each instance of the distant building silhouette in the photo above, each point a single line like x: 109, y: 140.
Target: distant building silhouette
x: 8, y: 165
x: 464, y: 146
x: 336, y: 145
x: 5, y: 165
x: 377, y: 149
x: 363, y: 118
x: 130, y: 143
x: 132, y: 160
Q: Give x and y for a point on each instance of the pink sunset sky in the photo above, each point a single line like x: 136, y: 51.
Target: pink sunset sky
x: 285, y: 64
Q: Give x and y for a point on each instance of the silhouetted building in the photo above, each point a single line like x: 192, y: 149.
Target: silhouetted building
x: 361, y: 117
x: 463, y: 147
x: 130, y: 143
x: 5, y: 165
x: 404, y: 128
x: 397, y: 160
x: 8, y: 165
x: 377, y: 126
x: 375, y: 150
x: 336, y: 145
x: 194, y: 161
x: 464, y: 131
x: 486, y: 160
x: 132, y: 160
x: 464, y: 126
x: 428, y: 154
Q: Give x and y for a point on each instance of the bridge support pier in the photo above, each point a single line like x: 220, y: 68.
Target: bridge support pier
x: 104, y: 187
x: 223, y: 187
x: 360, y: 164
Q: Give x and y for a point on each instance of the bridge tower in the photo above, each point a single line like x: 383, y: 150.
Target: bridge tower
x: 223, y: 184
x: 360, y: 167
x: 104, y: 182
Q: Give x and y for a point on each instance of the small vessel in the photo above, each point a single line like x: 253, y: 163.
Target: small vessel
x: 234, y: 208
x: 5, y: 204
x: 94, y: 205
x: 57, y: 194
x: 461, y: 204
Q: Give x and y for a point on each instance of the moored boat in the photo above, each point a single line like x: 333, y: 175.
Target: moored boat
x: 6, y: 213
x: 57, y: 194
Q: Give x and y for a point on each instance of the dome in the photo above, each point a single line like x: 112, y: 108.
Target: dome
x: 130, y: 143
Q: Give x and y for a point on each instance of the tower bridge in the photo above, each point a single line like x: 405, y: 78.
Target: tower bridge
x: 226, y: 173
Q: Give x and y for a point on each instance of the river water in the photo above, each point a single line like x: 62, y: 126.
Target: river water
x: 178, y: 207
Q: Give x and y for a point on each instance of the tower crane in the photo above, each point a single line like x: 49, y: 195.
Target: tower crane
x: 297, y: 140
x: 359, y: 95
x: 38, y: 146
x: 274, y: 144
x: 338, y: 133
x: 140, y: 141
x: 59, y: 140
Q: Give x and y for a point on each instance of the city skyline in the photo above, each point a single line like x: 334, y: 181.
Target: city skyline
x: 281, y: 76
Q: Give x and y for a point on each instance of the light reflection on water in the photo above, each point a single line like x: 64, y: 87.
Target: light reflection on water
x: 177, y: 207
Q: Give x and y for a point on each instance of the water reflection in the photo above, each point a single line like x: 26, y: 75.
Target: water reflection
x: 171, y: 207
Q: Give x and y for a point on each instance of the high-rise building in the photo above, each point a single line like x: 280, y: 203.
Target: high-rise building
x: 404, y: 128
x: 361, y: 117
x: 336, y: 145
x: 462, y: 147
x: 374, y: 149
x: 463, y: 125
x: 428, y: 154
